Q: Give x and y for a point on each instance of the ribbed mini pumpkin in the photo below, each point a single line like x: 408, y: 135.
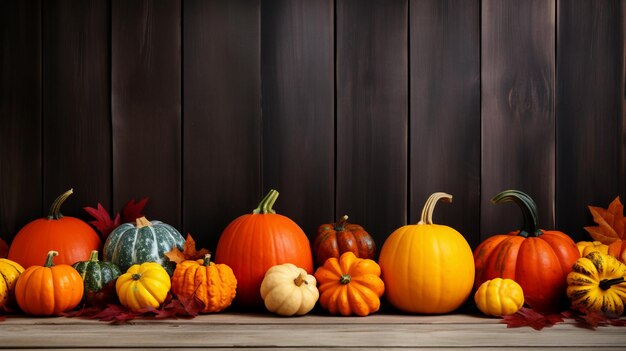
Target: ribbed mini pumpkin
x: 72, y: 238
x: 333, y: 239
x: 10, y: 271
x: 143, y: 286
x: 427, y: 268
x: 213, y: 284
x: 350, y: 285
x: 143, y: 241
x: 499, y: 297
x: 253, y: 243
x: 288, y: 290
x: 49, y: 289
x: 596, y: 283
x: 96, y: 274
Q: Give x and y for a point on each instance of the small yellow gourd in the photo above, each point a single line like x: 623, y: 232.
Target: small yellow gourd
x: 9, y: 272
x: 288, y: 290
x: 596, y: 283
x: 499, y: 297
x: 586, y: 247
x: 143, y: 286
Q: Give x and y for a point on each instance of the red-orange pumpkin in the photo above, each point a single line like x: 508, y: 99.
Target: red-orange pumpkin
x: 334, y: 239
x: 253, y: 243
x: 538, y: 260
x: 72, y: 238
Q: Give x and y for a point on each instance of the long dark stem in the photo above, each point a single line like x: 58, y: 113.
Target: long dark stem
x: 528, y: 207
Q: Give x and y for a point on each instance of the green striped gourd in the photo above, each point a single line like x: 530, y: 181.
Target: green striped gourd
x: 143, y: 241
x: 96, y: 274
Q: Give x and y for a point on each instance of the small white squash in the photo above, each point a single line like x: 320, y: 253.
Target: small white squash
x: 288, y: 290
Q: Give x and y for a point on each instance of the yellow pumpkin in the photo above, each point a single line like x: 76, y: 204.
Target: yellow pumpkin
x: 499, y: 297
x: 586, y: 247
x: 427, y: 268
x: 288, y: 290
x: 9, y: 272
x: 143, y: 286
x: 596, y: 283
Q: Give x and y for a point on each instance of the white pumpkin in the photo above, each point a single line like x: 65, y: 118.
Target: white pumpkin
x: 288, y: 290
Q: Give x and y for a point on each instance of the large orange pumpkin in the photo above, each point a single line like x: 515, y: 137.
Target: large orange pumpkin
x: 427, y: 268
x: 253, y: 243
x: 538, y: 260
x: 72, y: 238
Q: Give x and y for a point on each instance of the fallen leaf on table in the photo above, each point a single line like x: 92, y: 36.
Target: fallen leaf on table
x: 527, y: 317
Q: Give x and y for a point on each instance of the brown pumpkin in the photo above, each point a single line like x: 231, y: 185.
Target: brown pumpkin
x: 213, y: 284
x: 49, y: 290
x: 334, y: 239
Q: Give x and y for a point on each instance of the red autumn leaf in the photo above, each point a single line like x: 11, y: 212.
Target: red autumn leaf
x: 593, y: 319
x: 610, y: 222
x: 103, y: 223
x: 527, y: 317
x: 189, y: 252
x: 133, y: 210
x: 4, y: 249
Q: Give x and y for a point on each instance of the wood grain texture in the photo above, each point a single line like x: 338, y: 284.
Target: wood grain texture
x: 518, y: 123
x: 590, y: 124
x: 298, y: 109
x: 372, y: 114
x: 374, y: 332
x: 146, y: 105
x: 20, y: 115
x: 76, y: 103
x: 444, y: 140
x: 222, y: 122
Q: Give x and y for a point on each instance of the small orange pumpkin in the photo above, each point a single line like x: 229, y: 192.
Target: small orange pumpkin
x: 350, y: 285
x: 213, y: 284
x: 49, y: 290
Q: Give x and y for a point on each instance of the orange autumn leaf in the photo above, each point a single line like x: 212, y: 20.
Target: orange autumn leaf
x: 610, y: 222
x: 189, y: 252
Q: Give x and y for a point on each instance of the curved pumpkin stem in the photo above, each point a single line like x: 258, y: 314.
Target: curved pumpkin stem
x: 93, y: 256
x: 301, y: 279
x: 341, y: 224
x: 55, y: 209
x: 49, y: 259
x: 528, y: 207
x: 266, y: 204
x: 429, y: 207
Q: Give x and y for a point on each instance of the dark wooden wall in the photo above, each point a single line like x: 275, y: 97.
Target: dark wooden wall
x: 362, y: 107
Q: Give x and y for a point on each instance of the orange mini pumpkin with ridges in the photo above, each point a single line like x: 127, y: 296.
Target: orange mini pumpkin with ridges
x: 538, y: 260
x: 350, y: 285
x: 253, y: 243
x: 213, y: 284
x: 49, y: 289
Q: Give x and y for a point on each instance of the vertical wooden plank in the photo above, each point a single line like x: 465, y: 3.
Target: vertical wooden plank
x: 518, y: 127
x: 444, y: 141
x: 590, y: 123
x: 222, y: 121
x: 76, y: 103
x: 20, y: 115
x: 372, y: 113
x: 146, y: 105
x: 297, y: 64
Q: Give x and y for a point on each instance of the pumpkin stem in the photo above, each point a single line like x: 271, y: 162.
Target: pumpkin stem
x: 51, y: 255
x: 345, y: 279
x: 55, y: 209
x: 605, y: 284
x: 266, y: 204
x: 93, y: 256
x: 341, y: 224
x: 300, y: 280
x: 136, y: 276
x: 207, y: 259
x: 429, y: 207
x: 143, y: 222
x: 528, y: 207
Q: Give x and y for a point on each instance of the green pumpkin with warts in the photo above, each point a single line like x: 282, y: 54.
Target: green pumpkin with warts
x: 96, y: 274
x: 143, y: 241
